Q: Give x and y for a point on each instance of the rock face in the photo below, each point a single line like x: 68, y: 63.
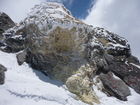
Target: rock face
x: 8, y: 41
x: 115, y: 87
x: 5, y: 22
x: 81, y: 84
x: 2, y: 74
x: 129, y: 71
x: 14, y: 44
x: 73, y: 52
x: 21, y: 57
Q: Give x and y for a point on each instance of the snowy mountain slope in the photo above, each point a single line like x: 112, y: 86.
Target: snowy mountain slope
x: 26, y: 86
x: 70, y: 51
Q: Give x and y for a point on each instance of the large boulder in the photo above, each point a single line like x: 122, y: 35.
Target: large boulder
x: 12, y: 43
x: 8, y: 41
x: 128, y: 71
x: 114, y: 86
x: 71, y: 51
x: 5, y: 21
x: 81, y: 84
x: 15, y: 43
x: 2, y: 74
x: 21, y: 57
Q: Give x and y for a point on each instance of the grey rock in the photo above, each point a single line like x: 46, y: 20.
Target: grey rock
x: 133, y: 78
x: 133, y: 59
x: 110, y: 41
x: 127, y: 72
x: 120, y: 69
x: 2, y: 74
x: 21, y: 57
x: 40, y: 62
x: 115, y: 87
x: 117, y: 51
x: 5, y: 22
x: 10, y: 41
x: 1, y: 36
x: 14, y: 43
x: 109, y: 58
x: 134, y: 82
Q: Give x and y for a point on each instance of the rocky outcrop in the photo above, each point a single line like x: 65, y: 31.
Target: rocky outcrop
x: 13, y: 42
x: 114, y: 86
x: 73, y: 52
x: 2, y: 74
x: 9, y: 42
x: 81, y: 84
x: 5, y: 23
x: 21, y: 57
x: 129, y: 72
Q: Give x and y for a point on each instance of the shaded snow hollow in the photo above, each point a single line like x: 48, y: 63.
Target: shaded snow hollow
x: 26, y: 86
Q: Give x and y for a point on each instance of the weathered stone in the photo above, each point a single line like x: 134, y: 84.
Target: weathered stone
x: 9, y: 39
x: 133, y: 59
x: 134, y: 82
x: 5, y: 22
x: 41, y: 62
x: 14, y: 43
x: 21, y: 57
x: 57, y: 52
x: 81, y: 84
x: 117, y: 51
x: 127, y: 72
x: 61, y: 46
x: 1, y: 36
x: 115, y: 87
x: 120, y: 69
x: 113, y: 43
x: 2, y: 74
x: 109, y: 58
x: 133, y: 78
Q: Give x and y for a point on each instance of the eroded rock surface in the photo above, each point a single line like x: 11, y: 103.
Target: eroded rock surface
x: 129, y: 72
x: 81, y: 84
x: 114, y: 86
x: 73, y: 52
x: 2, y: 74
x: 5, y: 21
x: 21, y: 57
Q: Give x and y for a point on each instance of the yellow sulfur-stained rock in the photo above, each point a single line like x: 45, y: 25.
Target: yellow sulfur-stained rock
x: 81, y: 84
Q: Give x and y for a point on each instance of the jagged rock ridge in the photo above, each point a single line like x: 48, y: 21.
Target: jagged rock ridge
x: 71, y: 51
